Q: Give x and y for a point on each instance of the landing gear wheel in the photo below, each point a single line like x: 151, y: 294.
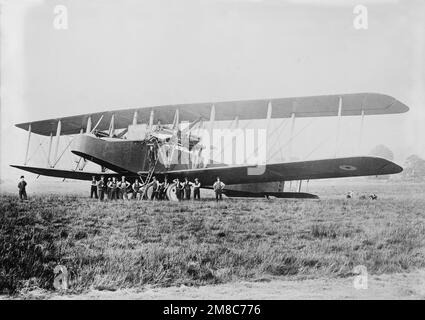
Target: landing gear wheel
x: 171, y: 192
x: 148, y: 193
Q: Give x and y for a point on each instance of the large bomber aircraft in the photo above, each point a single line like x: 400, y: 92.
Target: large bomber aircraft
x: 159, y: 142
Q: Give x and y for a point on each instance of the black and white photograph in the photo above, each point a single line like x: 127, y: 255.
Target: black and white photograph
x: 212, y: 150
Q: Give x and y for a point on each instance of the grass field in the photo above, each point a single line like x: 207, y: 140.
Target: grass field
x: 111, y: 245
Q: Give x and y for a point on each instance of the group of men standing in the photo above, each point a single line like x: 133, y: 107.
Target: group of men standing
x: 112, y: 189
x: 184, y: 189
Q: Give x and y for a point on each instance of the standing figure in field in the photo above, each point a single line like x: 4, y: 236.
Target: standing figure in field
x: 218, y: 187
x: 179, y: 189
x: 163, y: 189
x: 152, y: 155
x: 123, y: 186
x: 155, y: 188
x: 196, y: 189
x: 113, y: 186
x: 101, y: 187
x: 108, y: 189
x: 22, y: 184
x: 93, y: 189
x: 136, y: 189
x: 187, y: 186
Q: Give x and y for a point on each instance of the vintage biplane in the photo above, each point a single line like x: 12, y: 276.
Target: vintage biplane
x: 141, y: 142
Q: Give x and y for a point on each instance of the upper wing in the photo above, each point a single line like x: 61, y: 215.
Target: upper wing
x: 303, y: 170
x: 314, y: 106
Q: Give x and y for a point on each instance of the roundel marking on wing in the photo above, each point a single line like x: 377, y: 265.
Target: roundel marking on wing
x: 347, y: 167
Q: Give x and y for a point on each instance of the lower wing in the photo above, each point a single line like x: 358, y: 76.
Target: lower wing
x: 301, y: 170
x: 68, y: 174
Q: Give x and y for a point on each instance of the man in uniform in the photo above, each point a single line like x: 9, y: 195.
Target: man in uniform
x: 136, y: 189
x: 113, y: 185
x: 101, y: 186
x: 196, y: 189
x: 218, y: 187
x: 155, y: 188
x: 152, y: 154
x: 187, y: 188
x: 123, y: 186
x: 163, y: 189
x: 108, y: 189
x: 179, y: 188
x: 22, y: 188
x: 93, y: 189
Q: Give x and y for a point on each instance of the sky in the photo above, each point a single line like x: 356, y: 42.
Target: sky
x: 131, y: 53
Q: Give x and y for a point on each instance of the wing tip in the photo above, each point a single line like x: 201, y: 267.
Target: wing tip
x: 396, y: 106
x: 17, y: 166
x: 388, y: 167
x: 24, y: 126
x: 391, y: 168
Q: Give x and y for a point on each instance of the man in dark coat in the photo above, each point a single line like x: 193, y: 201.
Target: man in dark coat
x: 22, y: 188
x: 196, y: 189
x: 218, y: 187
x: 101, y: 188
x: 187, y: 188
x: 93, y: 189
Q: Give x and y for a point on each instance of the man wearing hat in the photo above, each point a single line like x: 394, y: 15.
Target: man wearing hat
x: 22, y: 191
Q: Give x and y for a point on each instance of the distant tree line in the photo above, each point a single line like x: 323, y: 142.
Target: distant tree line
x: 414, y: 168
x: 382, y: 152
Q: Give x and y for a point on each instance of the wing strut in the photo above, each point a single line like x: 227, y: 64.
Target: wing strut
x: 291, y: 137
x: 95, y: 127
x: 196, y: 150
x: 211, y: 126
x: 88, y: 128
x: 338, y: 126
x: 361, y: 131
x: 63, y: 152
x: 58, y: 135
x: 112, y: 126
x: 28, y: 144
x: 290, y: 141
x: 151, y: 120
x: 269, y: 116
x: 234, y: 139
x: 50, y: 150
x: 135, y: 114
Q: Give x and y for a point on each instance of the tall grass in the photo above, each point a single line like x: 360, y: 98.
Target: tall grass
x: 131, y: 244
